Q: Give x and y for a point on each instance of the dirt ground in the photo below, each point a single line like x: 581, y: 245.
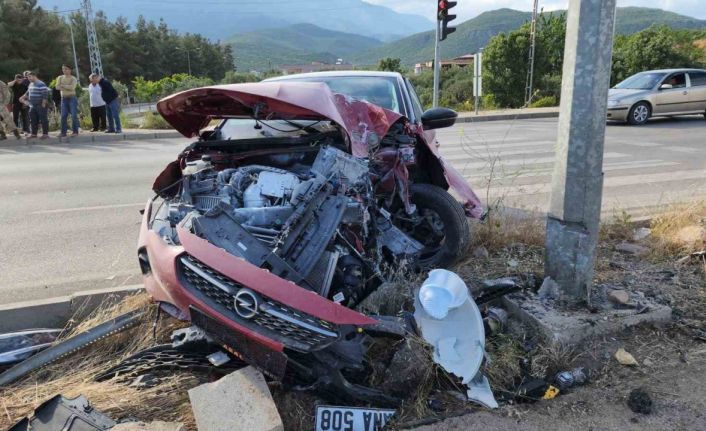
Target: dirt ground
x: 672, y: 359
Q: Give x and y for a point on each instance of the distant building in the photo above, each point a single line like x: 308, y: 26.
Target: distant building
x: 462, y: 61
x: 315, y: 66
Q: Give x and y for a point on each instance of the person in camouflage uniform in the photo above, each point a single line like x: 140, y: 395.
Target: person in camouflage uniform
x: 6, y: 123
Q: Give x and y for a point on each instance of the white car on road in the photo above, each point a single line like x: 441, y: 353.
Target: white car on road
x: 658, y: 93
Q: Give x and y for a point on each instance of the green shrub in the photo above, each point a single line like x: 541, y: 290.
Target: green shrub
x: 544, y: 102
x: 153, y: 120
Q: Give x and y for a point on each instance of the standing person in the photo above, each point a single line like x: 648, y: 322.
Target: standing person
x: 6, y: 123
x: 112, y: 101
x: 97, y: 104
x: 38, y: 97
x: 66, y: 84
x: 19, y: 110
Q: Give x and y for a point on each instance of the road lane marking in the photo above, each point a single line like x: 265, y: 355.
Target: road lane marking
x: 499, y: 163
x: 95, y: 208
x: 697, y: 177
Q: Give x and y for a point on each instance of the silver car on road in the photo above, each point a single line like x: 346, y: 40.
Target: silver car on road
x: 657, y: 93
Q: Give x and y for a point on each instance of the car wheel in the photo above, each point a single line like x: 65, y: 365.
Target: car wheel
x: 639, y: 113
x: 440, y: 224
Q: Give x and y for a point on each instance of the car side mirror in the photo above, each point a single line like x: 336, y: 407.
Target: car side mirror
x: 666, y: 87
x: 438, y: 118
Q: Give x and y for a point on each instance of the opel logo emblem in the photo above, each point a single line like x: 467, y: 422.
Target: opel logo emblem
x: 245, y: 304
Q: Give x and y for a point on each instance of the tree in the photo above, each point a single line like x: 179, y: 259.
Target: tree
x: 657, y: 47
x: 31, y: 39
x: 506, y: 65
x: 390, y: 65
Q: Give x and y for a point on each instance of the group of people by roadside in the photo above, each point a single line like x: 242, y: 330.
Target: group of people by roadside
x: 29, y: 97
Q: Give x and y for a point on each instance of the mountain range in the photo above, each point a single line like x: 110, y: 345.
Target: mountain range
x: 221, y: 19
x: 475, y: 33
x: 295, y: 44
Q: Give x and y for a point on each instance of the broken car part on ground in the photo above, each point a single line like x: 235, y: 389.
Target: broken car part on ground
x: 270, y: 229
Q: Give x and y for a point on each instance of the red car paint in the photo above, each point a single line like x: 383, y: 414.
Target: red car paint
x: 163, y: 285
x: 363, y: 123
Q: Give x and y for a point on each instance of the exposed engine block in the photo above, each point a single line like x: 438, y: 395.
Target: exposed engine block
x: 315, y: 229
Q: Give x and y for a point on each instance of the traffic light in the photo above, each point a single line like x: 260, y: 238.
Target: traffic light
x: 443, y: 16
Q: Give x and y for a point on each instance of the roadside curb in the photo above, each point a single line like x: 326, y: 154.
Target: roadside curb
x: 56, y: 312
x: 88, y: 138
x: 505, y: 117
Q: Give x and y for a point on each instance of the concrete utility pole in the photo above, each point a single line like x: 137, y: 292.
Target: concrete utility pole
x: 94, y: 53
x: 577, y: 183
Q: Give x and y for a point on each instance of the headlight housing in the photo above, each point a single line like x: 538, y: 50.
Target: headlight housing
x: 612, y: 103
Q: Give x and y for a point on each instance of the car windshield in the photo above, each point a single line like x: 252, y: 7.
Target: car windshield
x: 381, y: 91
x: 641, y: 81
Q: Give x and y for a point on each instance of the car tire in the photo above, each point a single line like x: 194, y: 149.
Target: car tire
x: 639, y: 113
x: 457, y: 236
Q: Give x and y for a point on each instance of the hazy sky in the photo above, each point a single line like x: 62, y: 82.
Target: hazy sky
x: 470, y: 8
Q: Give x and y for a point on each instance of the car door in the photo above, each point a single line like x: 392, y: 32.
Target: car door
x: 697, y: 91
x: 672, y: 100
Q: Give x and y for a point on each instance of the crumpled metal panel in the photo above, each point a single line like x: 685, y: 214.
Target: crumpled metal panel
x: 65, y: 414
x: 364, y: 123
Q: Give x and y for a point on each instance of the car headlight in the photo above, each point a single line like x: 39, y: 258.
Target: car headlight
x: 612, y: 103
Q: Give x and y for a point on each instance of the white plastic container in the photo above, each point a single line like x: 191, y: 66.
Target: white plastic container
x: 441, y: 292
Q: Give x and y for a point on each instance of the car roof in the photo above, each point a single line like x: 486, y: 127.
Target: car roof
x: 674, y: 70
x: 329, y: 74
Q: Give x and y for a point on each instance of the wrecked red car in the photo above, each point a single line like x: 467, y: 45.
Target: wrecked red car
x: 278, y: 221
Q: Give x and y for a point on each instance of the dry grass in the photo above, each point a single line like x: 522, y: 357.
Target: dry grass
x: 621, y: 227
x: 503, y: 228
x: 73, y: 376
x: 680, y: 231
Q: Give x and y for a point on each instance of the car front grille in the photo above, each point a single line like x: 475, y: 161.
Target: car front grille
x: 293, y: 328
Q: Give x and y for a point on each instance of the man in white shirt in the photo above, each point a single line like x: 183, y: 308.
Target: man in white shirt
x: 98, y: 111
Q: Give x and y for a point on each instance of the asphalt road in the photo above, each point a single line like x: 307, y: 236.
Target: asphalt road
x: 70, y: 217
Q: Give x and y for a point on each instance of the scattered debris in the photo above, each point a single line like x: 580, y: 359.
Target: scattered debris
x: 633, y: 249
x: 534, y: 389
x: 71, y: 345
x: 240, y: 400
x: 151, y: 426
x: 569, y: 379
x: 641, y: 233
x: 65, y: 414
x: 619, y: 297
x: 496, y: 289
x: 549, y: 289
x: 351, y: 418
x: 480, y: 392
x: 496, y: 320
x: 625, y: 358
x: 441, y: 292
x: 640, y: 401
x: 18, y: 346
x: 698, y: 254
x: 458, y: 340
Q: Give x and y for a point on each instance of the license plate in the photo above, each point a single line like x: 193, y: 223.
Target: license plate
x: 329, y: 418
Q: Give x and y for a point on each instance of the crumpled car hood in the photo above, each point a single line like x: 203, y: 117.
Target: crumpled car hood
x: 364, y: 123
